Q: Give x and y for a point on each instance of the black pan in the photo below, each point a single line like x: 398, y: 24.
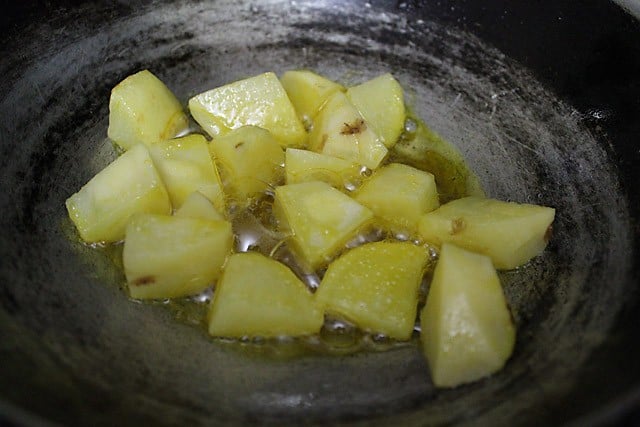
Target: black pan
x: 543, y: 100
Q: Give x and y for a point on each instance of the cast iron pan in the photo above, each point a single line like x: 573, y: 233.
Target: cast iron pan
x: 543, y: 99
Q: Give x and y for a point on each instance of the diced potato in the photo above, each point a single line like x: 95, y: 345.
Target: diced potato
x: 376, y: 287
x: 340, y: 131
x: 305, y: 166
x: 467, y: 331
x: 169, y: 256
x: 196, y: 205
x: 260, y: 297
x: 510, y: 233
x: 258, y: 101
x: 143, y: 110
x: 320, y: 218
x: 381, y: 103
x: 399, y: 195
x: 129, y: 185
x: 250, y: 161
x: 186, y: 166
x: 308, y: 91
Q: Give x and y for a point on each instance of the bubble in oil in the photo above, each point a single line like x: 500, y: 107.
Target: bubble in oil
x: 350, y: 186
x: 312, y: 281
x: 252, y: 234
x: 352, y: 182
x: 307, y: 122
x: 203, y: 297
x: 371, y: 235
x: 338, y: 334
x: 410, y: 126
x: 246, y: 239
x: 270, y: 193
x: 401, y: 236
x: 365, y: 171
x: 308, y: 276
x: 381, y: 342
x: 433, y: 254
x: 423, y: 290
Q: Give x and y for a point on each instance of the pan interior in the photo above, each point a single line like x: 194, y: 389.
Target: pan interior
x: 75, y: 346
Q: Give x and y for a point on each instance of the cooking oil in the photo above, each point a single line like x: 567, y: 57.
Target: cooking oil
x: 255, y: 229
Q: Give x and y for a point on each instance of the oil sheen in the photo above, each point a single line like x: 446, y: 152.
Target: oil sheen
x: 255, y: 229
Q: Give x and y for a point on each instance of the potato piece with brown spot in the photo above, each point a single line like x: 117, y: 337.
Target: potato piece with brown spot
x: 381, y: 103
x: 250, y: 161
x: 341, y: 131
x: 509, y: 233
x: 170, y: 256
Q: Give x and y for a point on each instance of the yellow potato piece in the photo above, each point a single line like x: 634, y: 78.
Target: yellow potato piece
x: 381, y: 103
x: 509, y: 233
x: 308, y: 91
x: 170, y: 256
x: 196, y: 205
x: 376, y: 287
x: 467, y: 331
x: 399, y: 195
x: 186, y: 166
x: 129, y: 185
x: 250, y: 161
x: 305, y: 166
x: 143, y: 110
x: 320, y: 218
x: 258, y: 101
x: 260, y: 297
x: 341, y: 131
x: 321, y: 151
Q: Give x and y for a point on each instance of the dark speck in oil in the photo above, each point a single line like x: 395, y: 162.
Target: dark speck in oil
x: 144, y: 280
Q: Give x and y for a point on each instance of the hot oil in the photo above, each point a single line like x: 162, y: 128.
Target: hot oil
x: 255, y: 229
x: 423, y: 149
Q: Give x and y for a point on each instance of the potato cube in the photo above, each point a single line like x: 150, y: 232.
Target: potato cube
x: 467, y: 331
x: 258, y: 101
x: 129, y: 185
x: 376, y: 287
x: 250, y: 161
x: 260, y: 297
x: 143, y: 110
x: 169, y: 256
x: 305, y: 166
x: 399, y: 195
x: 340, y: 131
x: 381, y: 103
x: 510, y: 233
x: 308, y: 91
x: 196, y: 205
x: 320, y: 218
x: 185, y: 166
